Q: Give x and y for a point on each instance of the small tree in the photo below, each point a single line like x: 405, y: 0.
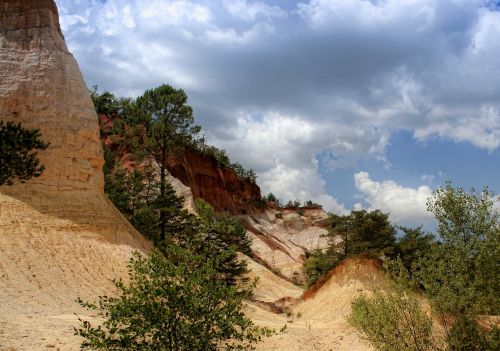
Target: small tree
x: 169, y: 125
x: 223, y: 232
x: 18, y: 158
x: 460, y: 275
x: 174, y: 303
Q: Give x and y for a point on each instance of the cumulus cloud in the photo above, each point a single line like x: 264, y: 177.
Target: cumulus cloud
x: 289, y: 168
x: 250, y: 11
x: 405, y: 205
x: 335, y: 78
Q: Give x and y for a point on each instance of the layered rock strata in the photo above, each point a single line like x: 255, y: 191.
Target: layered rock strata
x: 41, y: 87
x: 60, y: 237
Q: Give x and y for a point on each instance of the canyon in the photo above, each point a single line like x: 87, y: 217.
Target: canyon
x: 61, y: 238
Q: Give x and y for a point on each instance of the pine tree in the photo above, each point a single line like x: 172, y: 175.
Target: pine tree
x: 18, y: 158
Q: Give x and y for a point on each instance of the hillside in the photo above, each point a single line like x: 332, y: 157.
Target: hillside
x: 317, y: 320
x: 60, y: 237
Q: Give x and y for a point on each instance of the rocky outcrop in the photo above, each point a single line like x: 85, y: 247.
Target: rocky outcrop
x: 60, y: 237
x: 282, y: 237
x: 41, y: 87
x: 221, y: 187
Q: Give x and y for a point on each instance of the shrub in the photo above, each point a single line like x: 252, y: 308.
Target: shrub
x: 393, y: 321
x: 174, y: 303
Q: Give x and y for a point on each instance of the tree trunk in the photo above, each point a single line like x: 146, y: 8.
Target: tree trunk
x: 162, y: 196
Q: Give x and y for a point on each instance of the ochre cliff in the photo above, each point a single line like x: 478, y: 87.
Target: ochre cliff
x: 221, y: 187
x: 41, y: 87
x: 60, y: 237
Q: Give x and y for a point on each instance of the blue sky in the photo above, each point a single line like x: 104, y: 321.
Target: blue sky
x: 350, y: 103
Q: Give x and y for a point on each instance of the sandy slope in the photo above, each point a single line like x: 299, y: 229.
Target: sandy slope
x: 45, y: 264
x: 319, y: 321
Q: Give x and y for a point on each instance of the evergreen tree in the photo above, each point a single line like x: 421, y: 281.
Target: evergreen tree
x: 359, y: 233
x: 18, y: 158
x: 168, y: 121
x: 225, y: 233
x: 413, y: 244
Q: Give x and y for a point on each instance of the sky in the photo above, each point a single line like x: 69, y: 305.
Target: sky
x: 350, y: 103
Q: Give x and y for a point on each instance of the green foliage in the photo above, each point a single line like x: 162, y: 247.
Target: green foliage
x: 219, y: 155
x: 318, y: 264
x: 18, y: 158
x: 310, y: 203
x: 467, y: 335
x: 106, y: 103
x: 270, y: 198
x: 168, y: 121
x: 393, y: 321
x: 132, y: 119
x: 244, y: 174
x: 460, y: 275
x: 174, y: 303
x: 359, y: 233
x: 224, y: 232
x: 363, y: 232
x: 413, y: 244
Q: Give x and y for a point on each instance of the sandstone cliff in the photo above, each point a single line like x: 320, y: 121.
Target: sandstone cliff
x: 59, y: 236
x: 282, y: 237
x: 221, y: 187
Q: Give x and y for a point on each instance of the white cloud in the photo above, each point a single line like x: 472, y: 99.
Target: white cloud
x: 278, y: 87
x: 173, y: 12
x: 405, y: 205
x: 250, y: 11
x: 282, y: 150
x: 231, y: 36
x: 367, y: 15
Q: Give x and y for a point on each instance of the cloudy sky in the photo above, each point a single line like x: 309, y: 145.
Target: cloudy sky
x: 350, y: 103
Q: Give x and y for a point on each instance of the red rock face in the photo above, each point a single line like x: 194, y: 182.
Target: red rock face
x: 218, y: 186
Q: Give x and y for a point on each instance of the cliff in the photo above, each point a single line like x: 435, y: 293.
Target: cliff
x: 220, y: 186
x: 60, y: 237
x: 41, y: 87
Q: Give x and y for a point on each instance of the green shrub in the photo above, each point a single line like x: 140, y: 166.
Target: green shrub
x: 393, y: 321
x: 174, y: 303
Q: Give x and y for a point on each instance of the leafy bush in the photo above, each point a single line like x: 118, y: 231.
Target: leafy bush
x: 318, y: 264
x: 393, y: 321
x: 174, y: 303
